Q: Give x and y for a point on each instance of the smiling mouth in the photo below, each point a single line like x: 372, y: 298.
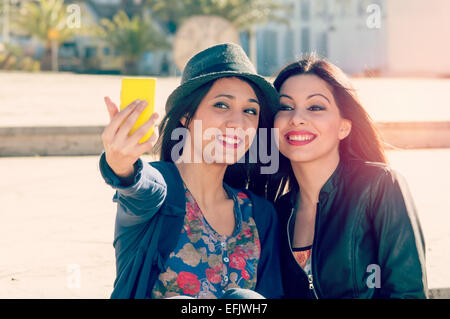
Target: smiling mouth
x: 229, y: 141
x: 299, y: 138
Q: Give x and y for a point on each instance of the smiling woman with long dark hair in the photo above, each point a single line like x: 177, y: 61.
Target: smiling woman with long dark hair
x: 188, y: 228
x: 348, y: 224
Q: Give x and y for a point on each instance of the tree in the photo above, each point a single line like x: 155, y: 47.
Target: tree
x: 243, y: 14
x: 131, y: 37
x: 45, y: 20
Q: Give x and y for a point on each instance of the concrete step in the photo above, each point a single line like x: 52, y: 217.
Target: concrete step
x: 86, y: 140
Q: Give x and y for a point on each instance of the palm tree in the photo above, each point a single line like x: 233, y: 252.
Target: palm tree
x: 243, y: 14
x: 130, y: 37
x: 45, y: 20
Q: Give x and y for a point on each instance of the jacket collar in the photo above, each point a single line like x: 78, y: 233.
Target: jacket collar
x: 328, y: 188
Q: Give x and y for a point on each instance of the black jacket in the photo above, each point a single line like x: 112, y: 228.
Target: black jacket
x: 367, y: 243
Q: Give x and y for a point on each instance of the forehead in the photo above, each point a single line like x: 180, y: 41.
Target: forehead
x: 233, y: 85
x: 305, y: 84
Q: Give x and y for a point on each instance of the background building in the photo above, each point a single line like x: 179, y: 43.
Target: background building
x: 372, y: 37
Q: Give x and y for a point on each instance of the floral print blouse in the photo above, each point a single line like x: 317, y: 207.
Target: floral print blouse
x: 205, y: 264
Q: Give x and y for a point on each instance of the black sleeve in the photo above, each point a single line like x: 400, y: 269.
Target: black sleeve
x: 401, y: 246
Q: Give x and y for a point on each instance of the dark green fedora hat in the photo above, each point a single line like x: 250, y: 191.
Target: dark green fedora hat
x: 223, y: 60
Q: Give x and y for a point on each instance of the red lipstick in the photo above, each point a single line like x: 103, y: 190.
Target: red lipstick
x: 299, y: 138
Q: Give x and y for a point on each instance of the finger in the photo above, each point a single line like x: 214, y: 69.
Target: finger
x: 119, y: 117
x: 128, y: 123
x: 111, y: 107
x: 143, y: 130
x: 149, y: 144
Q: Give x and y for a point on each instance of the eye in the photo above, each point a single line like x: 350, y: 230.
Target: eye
x: 284, y: 107
x: 316, y: 108
x: 221, y: 105
x: 251, y: 111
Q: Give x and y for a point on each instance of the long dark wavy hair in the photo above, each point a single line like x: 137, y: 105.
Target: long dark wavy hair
x: 363, y: 143
x: 238, y: 175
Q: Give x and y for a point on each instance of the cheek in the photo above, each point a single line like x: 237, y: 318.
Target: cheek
x: 329, y: 135
x: 280, y: 121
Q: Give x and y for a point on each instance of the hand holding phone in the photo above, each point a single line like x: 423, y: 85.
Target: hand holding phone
x: 144, y: 90
x: 130, y: 132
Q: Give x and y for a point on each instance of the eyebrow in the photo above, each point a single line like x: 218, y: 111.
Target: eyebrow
x: 310, y: 96
x: 231, y: 97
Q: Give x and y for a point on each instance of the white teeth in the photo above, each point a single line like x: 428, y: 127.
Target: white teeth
x: 228, y: 140
x: 300, y: 137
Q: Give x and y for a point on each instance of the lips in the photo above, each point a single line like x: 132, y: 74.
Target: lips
x: 299, y: 138
x: 229, y: 141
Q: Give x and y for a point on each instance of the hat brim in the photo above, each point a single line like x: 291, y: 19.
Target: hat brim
x: 186, y: 88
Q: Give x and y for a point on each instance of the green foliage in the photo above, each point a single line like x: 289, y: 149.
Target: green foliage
x: 131, y: 37
x: 12, y: 58
x: 242, y: 13
x: 37, y: 18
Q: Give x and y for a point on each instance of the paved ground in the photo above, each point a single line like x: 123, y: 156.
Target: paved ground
x: 58, y: 221
x: 57, y: 214
x: 58, y: 99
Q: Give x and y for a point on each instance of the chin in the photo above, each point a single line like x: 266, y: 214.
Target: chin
x: 302, y: 158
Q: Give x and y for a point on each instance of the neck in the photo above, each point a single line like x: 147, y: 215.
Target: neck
x: 204, y: 181
x: 311, y: 176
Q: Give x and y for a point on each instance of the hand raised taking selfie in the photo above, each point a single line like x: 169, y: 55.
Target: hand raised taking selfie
x: 122, y: 150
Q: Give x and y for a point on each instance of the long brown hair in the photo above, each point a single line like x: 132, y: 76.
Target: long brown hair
x: 363, y: 143
x: 238, y: 175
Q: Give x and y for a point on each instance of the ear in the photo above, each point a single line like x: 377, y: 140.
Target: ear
x: 183, y: 121
x: 344, y: 129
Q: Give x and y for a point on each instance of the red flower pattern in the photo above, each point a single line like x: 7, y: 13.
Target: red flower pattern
x: 245, y: 274
x: 238, y: 259
x: 213, y: 275
x: 189, y: 283
x: 242, y: 195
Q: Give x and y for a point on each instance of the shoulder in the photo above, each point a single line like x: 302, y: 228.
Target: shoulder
x: 372, y: 173
x: 384, y: 185
x: 167, y: 170
x: 263, y: 210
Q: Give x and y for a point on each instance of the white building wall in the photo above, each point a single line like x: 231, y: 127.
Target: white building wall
x: 335, y: 29
x: 357, y: 35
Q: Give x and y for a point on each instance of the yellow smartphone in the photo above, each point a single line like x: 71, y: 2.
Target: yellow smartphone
x: 142, y: 89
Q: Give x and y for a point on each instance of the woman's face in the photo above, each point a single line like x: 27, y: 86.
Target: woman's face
x: 309, y: 122
x: 225, y: 122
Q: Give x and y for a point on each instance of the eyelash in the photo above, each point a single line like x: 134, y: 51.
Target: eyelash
x: 313, y: 108
x: 220, y: 105
x: 317, y: 107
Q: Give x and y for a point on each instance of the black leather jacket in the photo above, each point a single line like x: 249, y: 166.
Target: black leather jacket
x: 367, y: 243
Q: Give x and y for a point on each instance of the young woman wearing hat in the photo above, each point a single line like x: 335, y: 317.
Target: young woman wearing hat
x: 348, y: 224
x: 188, y: 227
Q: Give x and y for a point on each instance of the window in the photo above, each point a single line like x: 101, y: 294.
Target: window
x: 305, y: 40
x: 305, y: 10
x: 91, y: 52
x: 268, y: 64
x: 322, y: 44
x: 289, y: 53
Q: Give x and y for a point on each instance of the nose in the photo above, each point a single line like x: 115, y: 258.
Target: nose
x: 235, y: 120
x: 298, y: 118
